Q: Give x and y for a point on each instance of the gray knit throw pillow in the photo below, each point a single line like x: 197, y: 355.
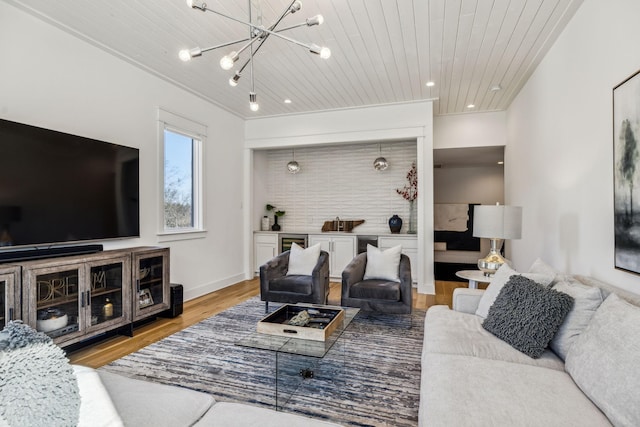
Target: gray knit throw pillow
x: 37, y: 383
x: 527, y: 315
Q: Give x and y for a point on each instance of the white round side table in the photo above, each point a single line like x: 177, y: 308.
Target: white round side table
x: 474, y: 277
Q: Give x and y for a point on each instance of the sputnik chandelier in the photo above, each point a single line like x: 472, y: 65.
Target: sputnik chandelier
x: 258, y: 34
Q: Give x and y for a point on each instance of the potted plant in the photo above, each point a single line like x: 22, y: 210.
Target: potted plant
x: 276, y: 213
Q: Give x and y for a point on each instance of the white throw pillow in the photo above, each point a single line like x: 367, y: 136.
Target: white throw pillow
x: 383, y: 264
x: 499, y: 279
x: 586, y: 301
x: 96, y: 407
x: 303, y: 261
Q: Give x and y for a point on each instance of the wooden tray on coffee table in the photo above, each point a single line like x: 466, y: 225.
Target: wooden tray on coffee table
x: 325, y: 320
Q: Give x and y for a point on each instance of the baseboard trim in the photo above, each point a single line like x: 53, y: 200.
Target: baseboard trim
x: 207, y: 288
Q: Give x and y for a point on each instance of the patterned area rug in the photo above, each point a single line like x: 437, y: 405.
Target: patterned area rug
x: 370, y: 377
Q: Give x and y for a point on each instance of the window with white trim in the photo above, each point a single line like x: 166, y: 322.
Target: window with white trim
x: 181, y: 174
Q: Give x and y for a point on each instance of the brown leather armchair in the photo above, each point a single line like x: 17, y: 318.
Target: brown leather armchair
x: 276, y: 286
x: 379, y: 295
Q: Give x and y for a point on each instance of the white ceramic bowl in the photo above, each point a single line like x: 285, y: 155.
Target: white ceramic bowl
x: 52, y: 324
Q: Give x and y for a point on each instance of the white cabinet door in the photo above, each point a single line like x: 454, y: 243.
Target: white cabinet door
x: 409, y: 248
x: 265, y: 247
x: 341, y: 251
x: 344, y: 249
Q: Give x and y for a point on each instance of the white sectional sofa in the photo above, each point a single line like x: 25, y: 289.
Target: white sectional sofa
x: 590, y: 375
x: 39, y: 387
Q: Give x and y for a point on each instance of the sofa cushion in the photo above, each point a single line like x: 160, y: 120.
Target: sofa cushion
x: 375, y: 289
x: 383, y: 264
x: 500, y: 278
x: 226, y: 414
x: 303, y: 261
x: 144, y: 403
x: 586, y: 301
x: 527, y: 315
x: 451, y: 332
x: 294, y: 284
x: 603, y: 361
x: 471, y: 391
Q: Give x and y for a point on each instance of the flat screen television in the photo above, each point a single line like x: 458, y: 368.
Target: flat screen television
x: 58, y: 188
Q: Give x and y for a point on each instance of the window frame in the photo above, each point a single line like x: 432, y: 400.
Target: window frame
x: 171, y: 122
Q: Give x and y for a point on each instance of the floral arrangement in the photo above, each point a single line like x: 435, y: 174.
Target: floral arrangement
x: 277, y: 212
x: 410, y: 192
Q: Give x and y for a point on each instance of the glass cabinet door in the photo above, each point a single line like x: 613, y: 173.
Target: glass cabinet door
x: 106, y: 296
x: 7, y: 312
x: 151, y: 282
x: 58, y: 302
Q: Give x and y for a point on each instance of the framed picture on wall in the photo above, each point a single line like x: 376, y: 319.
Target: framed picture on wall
x: 626, y: 173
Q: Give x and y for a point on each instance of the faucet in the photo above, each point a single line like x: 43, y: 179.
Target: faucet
x: 337, y: 225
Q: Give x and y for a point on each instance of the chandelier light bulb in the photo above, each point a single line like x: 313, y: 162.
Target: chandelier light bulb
x: 188, y: 54
x: 184, y: 55
x: 325, y: 53
x: 227, y: 61
x: 295, y: 7
x: 315, y: 20
x: 253, y: 102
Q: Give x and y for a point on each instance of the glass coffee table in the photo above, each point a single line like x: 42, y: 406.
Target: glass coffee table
x: 296, y: 359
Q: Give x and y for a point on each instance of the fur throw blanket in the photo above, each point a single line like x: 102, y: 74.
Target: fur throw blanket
x: 37, y: 383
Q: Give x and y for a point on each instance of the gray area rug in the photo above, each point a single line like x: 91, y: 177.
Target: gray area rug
x: 371, y: 377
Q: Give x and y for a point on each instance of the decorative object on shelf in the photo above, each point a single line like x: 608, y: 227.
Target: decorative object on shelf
x: 144, y: 272
x: 395, y: 224
x: 98, y: 280
x: 626, y: 158
x: 257, y: 33
x: 107, y: 309
x: 264, y: 224
x: 341, y: 225
x: 144, y: 298
x: 293, y: 167
x: 410, y: 193
x: 380, y: 163
x: 496, y: 223
x: 51, y: 319
x: 276, y: 214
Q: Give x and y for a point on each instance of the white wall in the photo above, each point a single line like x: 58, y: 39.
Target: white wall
x: 470, y: 130
x: 559, y: 156
x: 51, y: 79
x: 339, y: 180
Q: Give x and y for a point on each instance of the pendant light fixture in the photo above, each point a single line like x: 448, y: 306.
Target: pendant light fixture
x: 380, y: 163
x: 258, y: 34
x: 293, y: 166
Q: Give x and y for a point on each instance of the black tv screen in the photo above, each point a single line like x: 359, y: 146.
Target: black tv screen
x: 56, y: 187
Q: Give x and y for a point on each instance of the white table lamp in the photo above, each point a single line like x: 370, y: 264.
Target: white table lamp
x: 496, y: 223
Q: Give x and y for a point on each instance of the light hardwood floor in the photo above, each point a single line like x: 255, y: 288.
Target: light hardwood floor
x: 206, y: 306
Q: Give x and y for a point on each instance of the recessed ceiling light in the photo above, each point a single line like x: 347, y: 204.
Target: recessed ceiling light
x: 471, y: 106
x: 430, y: 84
x: 496, y: 88
x: 287, y: 101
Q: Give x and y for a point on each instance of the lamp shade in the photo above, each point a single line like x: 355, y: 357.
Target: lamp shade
x: 497, y: 222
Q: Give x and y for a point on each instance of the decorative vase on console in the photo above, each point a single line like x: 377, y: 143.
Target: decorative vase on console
x: 410, y: 194
x: 395, y: 224
x: 275, y: 226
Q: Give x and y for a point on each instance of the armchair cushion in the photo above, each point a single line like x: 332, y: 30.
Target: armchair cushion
x: 302, y: 261
x: 383, y: 264
x: 297, y: 284
x: 376, y: 289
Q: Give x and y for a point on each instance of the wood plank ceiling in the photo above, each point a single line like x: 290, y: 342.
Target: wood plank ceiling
x: 383, y: 51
